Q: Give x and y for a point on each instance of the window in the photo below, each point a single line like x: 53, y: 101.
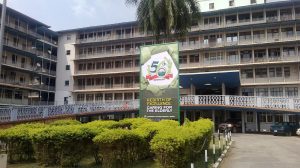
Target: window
x: 261, y: 72
x: 287, y: 72
x: 211, y: 6
x: 67, y: 82
x: 89, y: 97
x: 98, y: 96
x: 68, y: 37
x: 266, y: 117
x: 128, y: 96
x: 68, y: 52
x: 82, y: 67
x: 250, y: 117
x: 276, y: 92
x: 278, y: 118
x: 136, y: 95
x: 291, y: 91
x: 18, y: 95
x: 67, y: 67
x: 194, y: 58
x: 90, y: 81
x: 90, y: 66
x: 253, y: 1
x: 248, y: 91
x: 14, y: 59
x: 289, y: 51
x: 80, y: 97
x: 275, y: 72
x: 231, y: 3
x: 247, y: 73
x: 183, y: 59
x: 262, y: 92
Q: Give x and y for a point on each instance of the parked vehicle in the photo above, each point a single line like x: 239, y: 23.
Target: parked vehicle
x: 284, y: 128
x: 230, y: 125
x: 298, y: 132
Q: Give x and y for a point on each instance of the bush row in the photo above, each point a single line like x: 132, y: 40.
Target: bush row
x: 113, y: 144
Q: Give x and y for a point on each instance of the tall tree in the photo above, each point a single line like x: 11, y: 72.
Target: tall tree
x: 166, y: 16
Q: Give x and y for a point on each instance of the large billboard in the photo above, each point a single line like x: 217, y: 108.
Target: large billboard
x: 159, y: 81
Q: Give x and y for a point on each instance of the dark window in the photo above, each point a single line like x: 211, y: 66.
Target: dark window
x: 67, y: 67
x: 67, y: 83
x: 231, y: 3
x: 211, y: 5
x: 68, y: 52
x: 252, y: 1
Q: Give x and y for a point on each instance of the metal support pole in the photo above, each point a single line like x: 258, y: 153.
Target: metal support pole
x: 3, y: 16
x: 206, y: 160
x: 214, y: 149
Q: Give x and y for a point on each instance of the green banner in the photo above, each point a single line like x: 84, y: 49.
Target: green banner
x: 159, y: 81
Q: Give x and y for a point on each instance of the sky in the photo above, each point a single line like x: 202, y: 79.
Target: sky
x: 70, y: 14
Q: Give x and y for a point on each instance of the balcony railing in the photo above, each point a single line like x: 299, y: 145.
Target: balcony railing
x: 43, y: 112
x: 27, y: 66
x: 109, y: 53
x: 106, y: 86
x: 28, y: 85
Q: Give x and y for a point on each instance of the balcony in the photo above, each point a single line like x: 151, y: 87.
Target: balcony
x: 103, y: 54
x: 286, y: 17
x: 107, y: 71
x: 12, y: 101
x: 280, y: 104
x: 123, y: 86
x: 272, y: 19
x: 26, y: 85
x: 20, y: 47
x: 28, y: 67
x: 23, y: 30
x: 110, y: 37
x: 46, y: 55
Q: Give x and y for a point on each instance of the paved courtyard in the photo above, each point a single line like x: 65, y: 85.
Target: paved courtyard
x: 263, y: 151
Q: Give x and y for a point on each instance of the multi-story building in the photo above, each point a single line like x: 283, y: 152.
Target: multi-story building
x: 248, y: 48
x: 28, y: 61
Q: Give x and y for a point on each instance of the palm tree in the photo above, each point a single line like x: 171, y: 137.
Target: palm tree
x: 166, y: 16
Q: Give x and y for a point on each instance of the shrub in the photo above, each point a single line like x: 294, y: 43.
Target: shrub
x: 61, y: 145
x: 135, y: 122
x: 120, y: 147
x: 64, y: 122
x: 177, y: 146
x: 18, y: 143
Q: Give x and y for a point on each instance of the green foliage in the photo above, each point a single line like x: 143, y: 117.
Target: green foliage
x: 121, y: 147
x: 135, y: 122
x: 114, y: 144
x: 165, y: 17
x: 65, y: 122
x: 178, y: 146
x: 18, y: 142
x: 61, y: 145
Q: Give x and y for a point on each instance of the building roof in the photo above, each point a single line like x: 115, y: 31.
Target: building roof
x: 268, y: 4
x: 25, y: 17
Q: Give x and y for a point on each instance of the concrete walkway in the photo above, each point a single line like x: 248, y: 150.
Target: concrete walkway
x: 263, y: 151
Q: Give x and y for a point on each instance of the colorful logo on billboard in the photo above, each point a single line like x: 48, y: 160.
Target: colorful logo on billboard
x: 160, y: 69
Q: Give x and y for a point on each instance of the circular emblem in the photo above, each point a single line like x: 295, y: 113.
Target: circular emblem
x: 161, y: 72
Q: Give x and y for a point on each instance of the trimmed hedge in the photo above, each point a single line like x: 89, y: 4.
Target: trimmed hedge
x: 18, y: 142
x: 113, y: 144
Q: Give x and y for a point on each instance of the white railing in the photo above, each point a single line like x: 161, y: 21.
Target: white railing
x: 42, y: 112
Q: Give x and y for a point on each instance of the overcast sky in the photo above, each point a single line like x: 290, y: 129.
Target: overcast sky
x: 69, y: 14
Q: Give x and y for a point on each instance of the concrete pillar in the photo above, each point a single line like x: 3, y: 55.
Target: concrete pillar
x: 193, y: 89
x: 223, y: 89
x: 214, y: 119
x: 243, y: 121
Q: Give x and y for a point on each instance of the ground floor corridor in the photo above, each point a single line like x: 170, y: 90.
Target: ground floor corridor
x: 263, y: 151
